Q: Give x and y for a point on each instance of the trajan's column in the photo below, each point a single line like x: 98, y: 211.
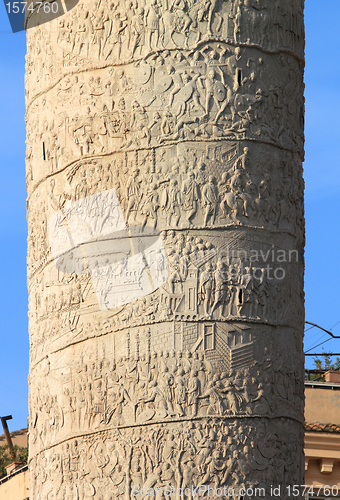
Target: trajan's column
x: 165, y: 249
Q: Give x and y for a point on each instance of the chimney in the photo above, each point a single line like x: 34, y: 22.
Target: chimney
x: 14, y: 466
x: 332, y: 377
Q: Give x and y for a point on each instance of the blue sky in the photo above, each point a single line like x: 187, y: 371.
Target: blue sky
x: 322, y: 177
x: 322, y: 172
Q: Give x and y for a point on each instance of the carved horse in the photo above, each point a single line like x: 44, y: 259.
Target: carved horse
x: 181, y: 21
x: 236, y: 205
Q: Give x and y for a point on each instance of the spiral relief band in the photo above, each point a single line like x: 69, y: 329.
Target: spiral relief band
x: 165, y: 142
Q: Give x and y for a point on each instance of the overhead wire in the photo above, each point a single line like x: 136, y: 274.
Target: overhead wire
x: 314, y: 347
x: 334, y: 325
x: 318, y: 340
x: 328, y: 332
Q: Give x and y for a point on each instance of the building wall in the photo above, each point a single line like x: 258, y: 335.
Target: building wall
x: 322, y: 405
x: 15, y: 488
x: 322, y: 438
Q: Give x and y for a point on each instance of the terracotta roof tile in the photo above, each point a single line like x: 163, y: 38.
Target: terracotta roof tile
x: 317, y: 427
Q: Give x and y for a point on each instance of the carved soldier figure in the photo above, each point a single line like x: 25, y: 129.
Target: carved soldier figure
x: 172, y: 203
x: 137, y: 30
x: 221, y: 287
x: 180, y: 393
x: 190, y: 196
x: 132, y: 193
x: 261, y: 292
x: 210, y: 200
x: 193, y: 392
x: 245, y: 296
x: 150, y: 205
x: 151, y: 20
x: 114, y: 41
x: 206, y: 285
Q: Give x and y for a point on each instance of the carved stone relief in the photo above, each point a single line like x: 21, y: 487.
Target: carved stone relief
x: 110, y: 34
x: 122, y: 463
x: 215, y: 93
x: 165, y: 248
x: 222, y: 370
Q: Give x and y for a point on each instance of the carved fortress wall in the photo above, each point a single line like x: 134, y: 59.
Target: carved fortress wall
x: 165, y: 248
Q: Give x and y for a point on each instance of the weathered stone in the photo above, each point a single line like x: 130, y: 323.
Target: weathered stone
x: 165, y: 247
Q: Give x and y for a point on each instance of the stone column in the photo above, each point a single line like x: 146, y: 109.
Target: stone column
x: 165, y: 248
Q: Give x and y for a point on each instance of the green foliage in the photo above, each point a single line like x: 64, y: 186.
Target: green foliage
x: 325, y: 364
x: 17, y: 454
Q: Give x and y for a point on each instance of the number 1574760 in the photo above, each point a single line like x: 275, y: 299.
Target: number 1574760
x: 23, y: 7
